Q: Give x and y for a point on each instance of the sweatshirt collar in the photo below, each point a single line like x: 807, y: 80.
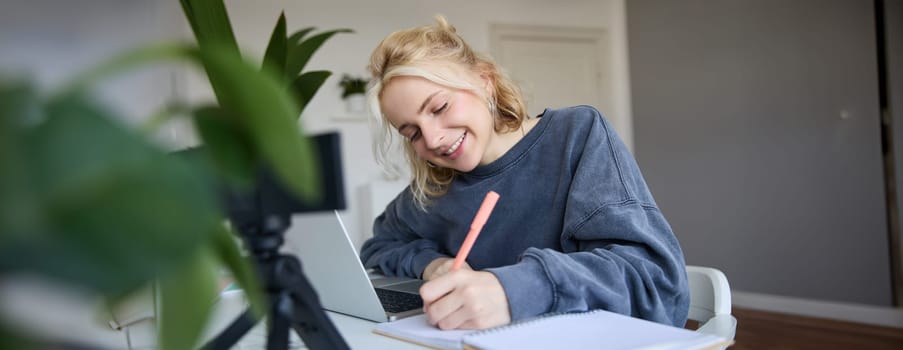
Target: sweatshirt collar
x: 513, y: 155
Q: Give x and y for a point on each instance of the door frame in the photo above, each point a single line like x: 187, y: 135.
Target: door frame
x: 616, y: 85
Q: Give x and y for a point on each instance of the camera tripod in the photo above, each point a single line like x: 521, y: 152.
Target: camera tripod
x: 293, y: 303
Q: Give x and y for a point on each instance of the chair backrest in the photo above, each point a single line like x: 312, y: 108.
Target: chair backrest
x: 710, y: 301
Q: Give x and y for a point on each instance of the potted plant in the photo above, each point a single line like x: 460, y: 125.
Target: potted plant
x: 97, y: 205
x: 353, y: 93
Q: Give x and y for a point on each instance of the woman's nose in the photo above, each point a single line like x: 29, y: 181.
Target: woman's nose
x: 432, y: 136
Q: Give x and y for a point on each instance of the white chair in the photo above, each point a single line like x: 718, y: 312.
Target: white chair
x: 710, y: 301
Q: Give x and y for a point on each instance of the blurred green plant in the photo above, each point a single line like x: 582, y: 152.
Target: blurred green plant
x: 352, y: 85
x: 95, y: 204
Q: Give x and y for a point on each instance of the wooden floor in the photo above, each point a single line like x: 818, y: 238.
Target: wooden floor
x: 768, y: 330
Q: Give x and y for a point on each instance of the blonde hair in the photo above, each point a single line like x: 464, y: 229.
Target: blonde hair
x: 436, y: 53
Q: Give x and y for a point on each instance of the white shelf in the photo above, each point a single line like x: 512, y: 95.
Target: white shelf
x: 350, y: 117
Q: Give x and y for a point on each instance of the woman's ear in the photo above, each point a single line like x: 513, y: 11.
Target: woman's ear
x: 485, y: 72
x: 488, y: 83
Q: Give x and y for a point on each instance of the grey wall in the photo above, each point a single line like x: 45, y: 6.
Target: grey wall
x: 757, y: 126
x: 893, y: 11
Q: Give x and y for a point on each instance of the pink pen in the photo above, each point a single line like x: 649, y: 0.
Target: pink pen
x: 478, y: 221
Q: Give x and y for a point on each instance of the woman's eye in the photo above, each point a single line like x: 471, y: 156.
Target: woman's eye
x: 441, y: 108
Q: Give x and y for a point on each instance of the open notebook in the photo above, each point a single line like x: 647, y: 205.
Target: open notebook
x: 589, y: 330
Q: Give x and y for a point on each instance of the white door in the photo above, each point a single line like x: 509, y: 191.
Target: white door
x: 556, y: 67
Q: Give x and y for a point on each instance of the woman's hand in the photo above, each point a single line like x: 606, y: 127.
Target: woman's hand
x: 465, y: 299
x: 439, y: 267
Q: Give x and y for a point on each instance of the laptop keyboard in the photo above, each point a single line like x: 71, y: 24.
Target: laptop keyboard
x: 394, y: 301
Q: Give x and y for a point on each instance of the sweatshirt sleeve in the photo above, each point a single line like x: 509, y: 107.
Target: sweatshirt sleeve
x: 619, y: 266
x: 618, y: 251
x: 395, y: 249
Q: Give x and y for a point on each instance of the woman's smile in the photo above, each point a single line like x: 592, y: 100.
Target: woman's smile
x: 456, y: 150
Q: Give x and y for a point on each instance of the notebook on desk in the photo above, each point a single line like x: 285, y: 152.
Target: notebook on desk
x: 333, y: 267
x: 597, y: 329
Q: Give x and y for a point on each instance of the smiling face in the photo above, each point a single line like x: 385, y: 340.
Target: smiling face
x: 448, y: 127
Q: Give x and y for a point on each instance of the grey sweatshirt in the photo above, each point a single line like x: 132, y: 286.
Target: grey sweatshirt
x: 575, y: 228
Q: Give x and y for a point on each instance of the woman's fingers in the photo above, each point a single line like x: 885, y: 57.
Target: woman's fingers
x: 465, y: 299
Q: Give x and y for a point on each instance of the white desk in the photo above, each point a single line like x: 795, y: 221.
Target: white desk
x: 52, y: 313
x: 358, y: 333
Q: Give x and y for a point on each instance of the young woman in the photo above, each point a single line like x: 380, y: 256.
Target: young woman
x: 575, y: 228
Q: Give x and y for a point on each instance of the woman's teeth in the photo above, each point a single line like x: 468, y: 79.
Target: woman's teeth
x: 455, y: 146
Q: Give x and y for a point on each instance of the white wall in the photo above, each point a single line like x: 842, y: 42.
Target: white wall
x: 52, y: 45
x: 48, y: 42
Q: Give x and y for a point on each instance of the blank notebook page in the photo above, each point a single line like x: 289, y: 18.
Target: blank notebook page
x: 589, y: 330
x: 595, y: 329
x: 417, y: 330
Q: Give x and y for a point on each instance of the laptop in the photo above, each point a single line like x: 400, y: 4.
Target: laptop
x: 333, y: 267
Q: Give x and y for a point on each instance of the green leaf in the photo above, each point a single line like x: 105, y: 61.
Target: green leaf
x: 189, y: 15
x: 187, y: 297
x: 115, y: 210
x: 268, y: 114
x: 306, y: 85
x: 296, y: 37
x: 352, y: 85
x: 125, y: 304
x: 300, y: 54
x: 213, y: 31
x: 19, y: 209
x: 229, y: 253
x: 164, y: 115
x: 275, y: 55
x: 210, y: 24
x: 11, y: 338
x: 231, y: 150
